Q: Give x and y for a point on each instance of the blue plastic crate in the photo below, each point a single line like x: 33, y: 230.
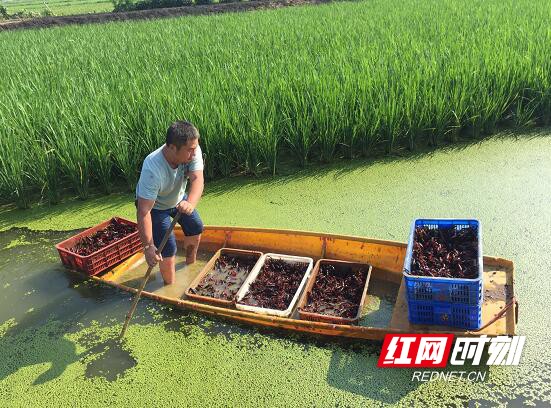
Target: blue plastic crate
x: 453, y: 290
x: 445, y: 313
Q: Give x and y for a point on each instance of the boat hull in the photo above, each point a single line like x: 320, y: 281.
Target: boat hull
x: 386, y: 257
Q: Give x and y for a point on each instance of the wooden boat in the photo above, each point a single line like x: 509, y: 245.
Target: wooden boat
x: 499, y: 311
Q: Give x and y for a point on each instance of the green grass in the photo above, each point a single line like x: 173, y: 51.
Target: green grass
x: 303, y: 84
x: 59, y: 7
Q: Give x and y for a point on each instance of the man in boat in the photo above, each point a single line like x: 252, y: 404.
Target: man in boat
x: 161, y: 193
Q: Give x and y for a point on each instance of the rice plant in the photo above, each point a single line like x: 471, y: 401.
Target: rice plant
x: 313, y: 83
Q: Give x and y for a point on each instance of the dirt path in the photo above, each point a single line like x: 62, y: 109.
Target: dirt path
x: 44, y: 22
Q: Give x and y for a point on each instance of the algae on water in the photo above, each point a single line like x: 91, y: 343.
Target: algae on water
x: 176, y: 357
x: 17, y: 242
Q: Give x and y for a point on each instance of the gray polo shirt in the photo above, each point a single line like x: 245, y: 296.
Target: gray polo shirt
x: 160, y: 182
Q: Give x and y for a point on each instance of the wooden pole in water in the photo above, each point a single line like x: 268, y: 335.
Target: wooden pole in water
x: 146, y: 276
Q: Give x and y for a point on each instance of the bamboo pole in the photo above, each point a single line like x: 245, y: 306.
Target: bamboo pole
x: 146, y: 276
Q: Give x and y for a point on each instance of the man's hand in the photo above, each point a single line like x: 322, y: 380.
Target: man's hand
x: 151, y: 256
x: 185, y: 207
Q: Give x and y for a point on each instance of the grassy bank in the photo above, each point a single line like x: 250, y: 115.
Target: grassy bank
x: 304, y: 84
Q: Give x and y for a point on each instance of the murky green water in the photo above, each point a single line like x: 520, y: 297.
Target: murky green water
x: 56, y: 332
x: 379, y: 303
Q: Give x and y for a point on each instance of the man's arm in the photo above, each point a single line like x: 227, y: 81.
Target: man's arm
x: 197, y: 181
x: 197, y: 185
x: 146, y: 230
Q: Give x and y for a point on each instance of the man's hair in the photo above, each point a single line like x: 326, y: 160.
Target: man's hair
x: 180, y: 132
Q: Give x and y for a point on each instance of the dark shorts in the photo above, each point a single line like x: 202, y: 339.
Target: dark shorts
x: 161, y: 220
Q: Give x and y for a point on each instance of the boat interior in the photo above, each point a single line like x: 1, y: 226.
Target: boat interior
x: 385, y: 309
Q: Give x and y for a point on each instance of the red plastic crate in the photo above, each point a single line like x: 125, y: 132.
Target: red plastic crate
x: 105, y: 257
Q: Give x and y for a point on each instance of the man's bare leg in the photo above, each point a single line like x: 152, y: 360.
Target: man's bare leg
x: 191, y: 245
x: 168, y: 270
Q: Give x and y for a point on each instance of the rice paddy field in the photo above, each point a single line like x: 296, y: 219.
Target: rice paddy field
x: 300, y: 85
x: 354, y: 117
x: 58, y: 7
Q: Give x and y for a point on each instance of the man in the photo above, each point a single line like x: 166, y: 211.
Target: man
x: 160, y: 193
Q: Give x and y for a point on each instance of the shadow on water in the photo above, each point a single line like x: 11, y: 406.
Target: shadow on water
x: 289, y: 172
x: 111, y: 360
x: 108, y: 359
x: 355, y: 370
x: 55, y: 305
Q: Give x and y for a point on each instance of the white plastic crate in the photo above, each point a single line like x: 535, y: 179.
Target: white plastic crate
x: 254, y: 273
